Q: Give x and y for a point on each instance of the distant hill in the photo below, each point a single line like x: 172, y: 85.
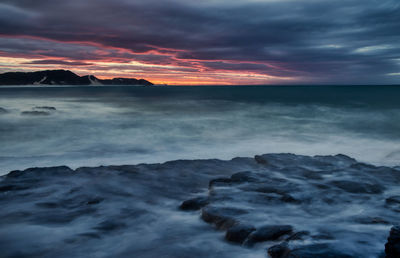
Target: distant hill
x: 63, y: 77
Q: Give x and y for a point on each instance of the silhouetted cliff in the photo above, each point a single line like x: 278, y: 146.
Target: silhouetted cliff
x: 63, y: 77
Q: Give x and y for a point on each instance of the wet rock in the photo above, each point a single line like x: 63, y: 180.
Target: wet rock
x: 35, y: 113
x: 194, y: 204
x: 298, y: 236
x: 94, y: 201
x: 269, y: 233
x: 358, y: 187
x: 45, y: 108
x: 323, y: 236
x: 261, y: 160
x: 316, y: 251
x: 219, y: 182
x: 71, y: 203
x: 3, y: 111
x: 279, y: 251
x: 41, y: 172
x: 245, y: 176
x: 393, y: 202
x: 372, y: 220
x: 362, y: 166
x: 237, y: 178
x: 267, y: 198
x: 392, y: 247
x: 48, y: 205
x: 238, y: 233
x: 289, y: 199
x: 60, y: 216
x: 312, y: 175
x: 80, y: 200
x: 269, y: 189
x: 222, y: 218
x: 109, y: 225
x: 87, y: 235
x: 7, y: 188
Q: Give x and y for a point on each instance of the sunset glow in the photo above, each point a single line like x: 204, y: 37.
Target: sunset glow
x: 215, y: 42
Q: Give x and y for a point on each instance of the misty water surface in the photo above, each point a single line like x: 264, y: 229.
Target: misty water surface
x: 128, y: 125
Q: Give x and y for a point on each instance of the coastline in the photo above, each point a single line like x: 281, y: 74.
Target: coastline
x: 79, y: 211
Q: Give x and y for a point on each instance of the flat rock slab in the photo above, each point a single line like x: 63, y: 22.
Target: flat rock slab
x: 318, y: 205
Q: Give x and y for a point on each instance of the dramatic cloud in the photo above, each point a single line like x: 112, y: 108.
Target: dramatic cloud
x: 212, y: 41
x: 57, y: 62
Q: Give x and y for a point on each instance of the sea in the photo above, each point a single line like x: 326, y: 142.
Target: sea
x: 336, y: 206
x: 44, y: 126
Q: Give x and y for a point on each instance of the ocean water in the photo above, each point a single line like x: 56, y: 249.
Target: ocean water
x: 93, y: 126
x: 132, y: 211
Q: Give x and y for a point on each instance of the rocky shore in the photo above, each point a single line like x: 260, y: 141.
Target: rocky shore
x: 272, y: 205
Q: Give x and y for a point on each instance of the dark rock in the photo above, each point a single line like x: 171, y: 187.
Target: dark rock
x: 222, y: 218
x: 316, y: 251
x: 289, y: 199
x: 323, y: 236
x: 88, y: 235
x: 79, y: 201
x: 269, y: 233
x: 393, y: 202
x: 45, y: 171
x: 279, y: 251
x: 261, y: 160
x: 392, y: 247
x: 61, y: 216
x: 238, y: 233
x: 345, y: 158
x: 3, y: 110
x: 194, y: 204
x: 76, y: 202
x: 46, y: 108
x: 322, y: 186
x: 312, y: 175
x: 134, y: 195
x: 245, y: 176
x: 7, y: 188
x: 48, y: 205
x: 237, y: 178
x: 219, y: 182
x: 393, y: 199
x: 358, y: 187
x: 109, y: 225
x: 269, y: 189
x: 35, y: 113
x: 298, y: 236
x: 94, y: 201
x: 362, y: 166
x: 372, y: 220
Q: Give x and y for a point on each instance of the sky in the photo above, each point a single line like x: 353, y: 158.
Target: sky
x: 206, y: 41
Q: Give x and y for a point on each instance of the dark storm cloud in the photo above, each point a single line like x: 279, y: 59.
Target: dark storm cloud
x: 354, y: 41
x: 58, y: 62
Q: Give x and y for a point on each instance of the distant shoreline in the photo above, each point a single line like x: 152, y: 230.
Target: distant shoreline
x: 64, y: 77
x: 197, y: 85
